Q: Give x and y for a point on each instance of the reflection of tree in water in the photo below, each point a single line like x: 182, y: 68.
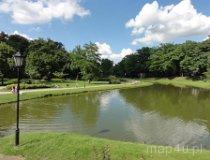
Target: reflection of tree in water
x: 7, y: 116
x: 152, y: 128
x: 46, y: 110
x: 39, y: 109
x: 168, y: 101
x: 86, y: 106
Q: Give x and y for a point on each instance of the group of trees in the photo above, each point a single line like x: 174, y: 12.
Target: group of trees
x: 188, y: 59
x: 46, y: 59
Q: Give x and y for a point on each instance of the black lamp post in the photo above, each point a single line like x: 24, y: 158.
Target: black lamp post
x: 18, y: 58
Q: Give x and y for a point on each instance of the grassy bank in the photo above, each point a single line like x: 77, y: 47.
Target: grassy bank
x: 63, y: 146
x: 9, y: 98
x: 179, y: 82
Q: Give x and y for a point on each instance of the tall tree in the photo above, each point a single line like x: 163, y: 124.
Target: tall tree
x: 87, y: 60
x: 195, y: 60
x: 106, y: 67
x: 6, y: 53
x: 45, y: 58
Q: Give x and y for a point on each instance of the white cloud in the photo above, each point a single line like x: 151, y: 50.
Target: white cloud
x: 42, y: 11
x: 106, y: 52
x: 23, y: 35
x: 208, y: 37
x: 155, y: 23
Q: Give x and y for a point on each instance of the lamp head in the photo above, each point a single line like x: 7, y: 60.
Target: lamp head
x: 18, y: 58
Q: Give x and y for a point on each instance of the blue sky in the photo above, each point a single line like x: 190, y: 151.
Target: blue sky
x: 102, y: 21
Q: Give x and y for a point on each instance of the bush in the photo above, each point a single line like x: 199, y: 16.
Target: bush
x: 114, y: 80
x: 29, y: 86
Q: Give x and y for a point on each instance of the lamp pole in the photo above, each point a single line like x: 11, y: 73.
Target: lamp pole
x: 18, y: 58
x: 17, y: 135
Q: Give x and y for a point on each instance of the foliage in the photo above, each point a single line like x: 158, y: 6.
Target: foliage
x: 59, y: 75
x: 86, y: 60
x: 45, y: 58
x: 6, y: 53
x: 114, y: 80
x: 106, y: 67
x: 30, y: 86
x: 187, y: 59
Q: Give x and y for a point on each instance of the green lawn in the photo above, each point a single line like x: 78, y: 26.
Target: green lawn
x: 180, y: 82
x: 66, y: 146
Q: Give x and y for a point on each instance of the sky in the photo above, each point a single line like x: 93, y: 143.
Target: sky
x: 118, y: 27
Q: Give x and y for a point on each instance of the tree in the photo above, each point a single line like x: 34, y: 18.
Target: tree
x: 6, y: 53
x: 91, y: 67
x: 19, y: 43
x: 3, y: 37
x: 45, y: 58
x: 163, y: 60
x: 77, y: 57
x: 106, y: 67
x: 87, y: 60
x: 2, y: 78
x: 195, y: 61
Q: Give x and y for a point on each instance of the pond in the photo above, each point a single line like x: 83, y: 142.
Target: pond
x: 162, y: 115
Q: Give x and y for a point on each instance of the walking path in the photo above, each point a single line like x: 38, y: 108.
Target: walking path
x: 56, y: 89
x: 38, y: 90
x: 50, y: 89
x: 2, y: 157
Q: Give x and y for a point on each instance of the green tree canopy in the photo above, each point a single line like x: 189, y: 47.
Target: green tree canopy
x: 87, y: 60
x: 45, y: 58
x: 106, y: 67
x: 6, y: 53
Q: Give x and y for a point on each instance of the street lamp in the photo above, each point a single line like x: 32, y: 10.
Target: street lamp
x: 18, y: 58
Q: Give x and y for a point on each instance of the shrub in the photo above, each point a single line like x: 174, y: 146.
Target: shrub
x: 114, y: 80
x: 29, y: 86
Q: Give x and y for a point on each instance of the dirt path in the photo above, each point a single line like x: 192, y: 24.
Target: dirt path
x: 2, y: 157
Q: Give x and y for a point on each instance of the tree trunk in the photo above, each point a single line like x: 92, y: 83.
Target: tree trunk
x: 76, y: 80
x: 2, y: 80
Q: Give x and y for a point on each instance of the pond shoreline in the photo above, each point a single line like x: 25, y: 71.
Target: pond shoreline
x: 11, y: 98
x: 177, y: 82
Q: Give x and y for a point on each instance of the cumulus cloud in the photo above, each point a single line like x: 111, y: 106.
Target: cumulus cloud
x: 42, y: 11
x: 23, y: 35
x: 156, y: 23
x: 106, y: 52
x: 208, y: 37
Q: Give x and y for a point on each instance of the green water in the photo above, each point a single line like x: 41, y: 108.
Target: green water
x: 163, y: 115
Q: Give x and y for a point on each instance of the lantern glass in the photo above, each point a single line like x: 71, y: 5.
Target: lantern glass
x: 18, y: 58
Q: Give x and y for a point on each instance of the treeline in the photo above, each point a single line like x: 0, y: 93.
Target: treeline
x: 46, y: 59
x: 188, y: 59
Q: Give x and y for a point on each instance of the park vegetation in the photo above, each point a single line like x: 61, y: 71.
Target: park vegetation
x: 46, y: 59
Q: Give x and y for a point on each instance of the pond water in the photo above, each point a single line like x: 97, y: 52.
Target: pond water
x: 162, y: 115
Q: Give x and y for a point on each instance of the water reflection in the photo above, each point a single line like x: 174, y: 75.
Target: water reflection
x: 156, y: 115
x: 153, y: 129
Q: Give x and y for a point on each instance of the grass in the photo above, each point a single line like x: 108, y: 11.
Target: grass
x: 66, y: 146
x: 180, y: 82
x: 9, y: 98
